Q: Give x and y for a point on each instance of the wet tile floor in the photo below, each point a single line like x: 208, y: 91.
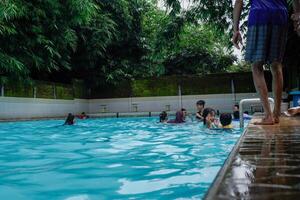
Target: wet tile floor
x: 265, y: 165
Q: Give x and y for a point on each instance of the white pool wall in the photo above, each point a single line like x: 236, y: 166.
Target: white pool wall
x: 222, y: 102
x: 12, y: 107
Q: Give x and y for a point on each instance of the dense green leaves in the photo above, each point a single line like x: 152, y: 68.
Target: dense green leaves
x: 107, y: 41
x: 200, y: 51
x: 38, y: 36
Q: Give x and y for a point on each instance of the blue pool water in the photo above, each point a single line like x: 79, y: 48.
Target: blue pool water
x: 125, y: 158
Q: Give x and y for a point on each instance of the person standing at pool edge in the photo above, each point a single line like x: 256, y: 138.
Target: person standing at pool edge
x: 266, y: 40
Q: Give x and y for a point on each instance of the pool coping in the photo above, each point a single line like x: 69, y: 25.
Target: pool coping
x: 213, y: 189
x: 91, y: 115
x: 264, y: 164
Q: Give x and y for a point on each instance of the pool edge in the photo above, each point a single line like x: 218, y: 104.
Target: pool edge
x: 92, y: 115
x: 213, y: 189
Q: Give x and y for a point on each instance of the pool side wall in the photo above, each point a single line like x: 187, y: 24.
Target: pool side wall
x: 25, y: 108
x: 15, y: 108
x: 222, y: 102
x: 211, y: 193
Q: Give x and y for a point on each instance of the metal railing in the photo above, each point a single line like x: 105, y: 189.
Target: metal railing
x: 251, y: 101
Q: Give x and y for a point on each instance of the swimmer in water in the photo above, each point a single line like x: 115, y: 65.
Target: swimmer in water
x: 209, y: 120
x: 83, y: 116
x: 180, y: 117
x: 163, y: 117
x: 70, y: 119
x: 200, y: 107
x: 226, y: 120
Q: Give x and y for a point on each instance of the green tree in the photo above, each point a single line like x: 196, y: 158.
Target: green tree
x: 39, y: 36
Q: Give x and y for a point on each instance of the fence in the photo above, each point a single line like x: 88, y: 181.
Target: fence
x: 151, y: 87
x: 190, y: 85
x: 44, y: 90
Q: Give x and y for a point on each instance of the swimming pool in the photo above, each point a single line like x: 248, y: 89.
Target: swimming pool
x: 125, y: 158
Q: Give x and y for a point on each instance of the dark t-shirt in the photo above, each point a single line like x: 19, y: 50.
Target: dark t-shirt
x: 199, y: 113
x: 236, y: 115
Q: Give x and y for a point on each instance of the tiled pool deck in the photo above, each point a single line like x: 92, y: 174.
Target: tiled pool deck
x: 264, y: 165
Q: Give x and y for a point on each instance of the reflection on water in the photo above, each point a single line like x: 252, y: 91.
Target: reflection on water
x: 109, y: 159
x: 146, y: 186
x: 266, y: 165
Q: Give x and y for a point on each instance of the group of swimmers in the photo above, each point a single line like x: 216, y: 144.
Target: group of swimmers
x: 205, y: 115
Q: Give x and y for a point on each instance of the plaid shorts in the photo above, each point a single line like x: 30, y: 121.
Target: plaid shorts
x: 266, y: 43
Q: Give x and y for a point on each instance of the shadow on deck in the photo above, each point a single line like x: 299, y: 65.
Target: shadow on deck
x: 264, y: 165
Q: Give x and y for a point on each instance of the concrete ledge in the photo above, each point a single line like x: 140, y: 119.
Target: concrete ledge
x: 265, y: 164
x: 32, y: 119
x: 130, y: 114
x: 97, y: 115
x: 211, y: 193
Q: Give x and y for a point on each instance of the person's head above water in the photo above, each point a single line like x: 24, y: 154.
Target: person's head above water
x: 236, y: 107
x: 200, y: 105
x: 226, y: 119
x: 70, y: 119
x: 236, y: 112
x: 163, y: 116
x: 208, y: 115
x: 180, y: 117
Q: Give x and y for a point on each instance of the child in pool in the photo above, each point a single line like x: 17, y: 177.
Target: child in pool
x: 236, y: 112
x: 163, y: 117
x: 209, y: 118
x: 180, y: 117
x: 226, y: 120
x: 83, y: 116
x: 70, y: 119
x: 200, y: 107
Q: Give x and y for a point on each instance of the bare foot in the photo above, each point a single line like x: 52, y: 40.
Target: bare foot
x: 277, y: 120
x: 265, y: 121
x: 276, y: 117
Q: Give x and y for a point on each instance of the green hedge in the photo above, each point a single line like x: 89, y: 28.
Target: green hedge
x: 18, y: 90
x: 80, y: 90
x: 155, y: 87
x: 162, y: 86
x: 168, y: 86
x: 195, y: 85
x: 205, y: 85
x: 121, y: 90
x: 13, y: 88
x: 64, y: 91
x: 190, y: 85
x: 45, y: 90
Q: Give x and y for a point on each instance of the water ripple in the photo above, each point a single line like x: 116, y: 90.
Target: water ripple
x: 125, y: 158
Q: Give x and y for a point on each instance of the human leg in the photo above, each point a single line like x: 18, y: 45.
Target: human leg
x: 261, y: 88
x: 277, y: 89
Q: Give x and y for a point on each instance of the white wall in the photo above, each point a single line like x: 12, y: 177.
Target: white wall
x: 11, y: 107
x: 222, y: 102
x: 145, y: 104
